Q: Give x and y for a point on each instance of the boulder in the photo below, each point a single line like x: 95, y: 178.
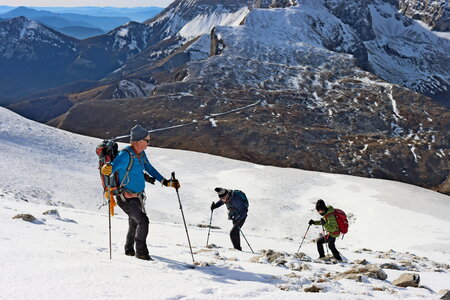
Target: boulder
x: 25, y: 217
x: 52, y: 212
x: 356, y: 273
x: 361, y: 262
x: 313, y: 289
x: 445, y: 294
x: 390, y: 266
x: 407, y: 279
x: 255, y: 259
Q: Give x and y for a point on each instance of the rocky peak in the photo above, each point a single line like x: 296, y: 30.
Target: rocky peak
x: 196, y: 17
x: 282, y: 3
x: 356, y: 14
x: 20, y: 37
x: 435, y: 13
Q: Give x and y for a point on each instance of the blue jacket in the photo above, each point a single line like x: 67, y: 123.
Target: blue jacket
x: 237, y: 207
x: 134, y: 182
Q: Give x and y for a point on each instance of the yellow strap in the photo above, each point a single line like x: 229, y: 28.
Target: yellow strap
x: 112, y: 202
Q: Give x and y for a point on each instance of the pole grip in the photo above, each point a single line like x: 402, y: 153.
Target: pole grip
x: 172, y: 176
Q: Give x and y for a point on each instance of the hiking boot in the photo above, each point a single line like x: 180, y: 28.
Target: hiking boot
x: 144, y: 256
x: 130, y: 252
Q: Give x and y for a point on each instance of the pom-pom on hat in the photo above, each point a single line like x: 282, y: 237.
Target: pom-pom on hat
x: 221, y: 192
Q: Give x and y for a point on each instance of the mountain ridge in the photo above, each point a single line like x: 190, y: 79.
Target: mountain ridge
x: 323, y: 109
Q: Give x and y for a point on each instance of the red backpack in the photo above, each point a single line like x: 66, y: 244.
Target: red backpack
x: 341, y: 219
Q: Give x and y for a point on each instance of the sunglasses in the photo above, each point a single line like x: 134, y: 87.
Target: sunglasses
x: 148, y: 141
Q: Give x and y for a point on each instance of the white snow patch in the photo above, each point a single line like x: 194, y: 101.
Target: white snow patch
x: 202, y: 24
x: 213, y: 122
x: 413, y: 151
x: 123, y: 32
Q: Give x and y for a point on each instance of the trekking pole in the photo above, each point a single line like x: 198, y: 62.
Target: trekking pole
x: 209, y: 228
x: 184, y: 221
x: 303, y: 238
x: 246, y: 240
x: 109, y: 215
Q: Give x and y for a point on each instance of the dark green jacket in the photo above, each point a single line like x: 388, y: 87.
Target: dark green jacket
x: 331, y: 225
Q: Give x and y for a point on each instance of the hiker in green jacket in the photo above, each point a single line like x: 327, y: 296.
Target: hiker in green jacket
x: 329, y: 222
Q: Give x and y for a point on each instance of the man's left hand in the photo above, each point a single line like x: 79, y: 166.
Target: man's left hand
x: 322, y: 221
x: 171, y: 183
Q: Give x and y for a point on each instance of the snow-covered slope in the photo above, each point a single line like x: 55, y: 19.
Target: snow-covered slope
x: 45, y: 168
x: 408, y: 53
x: 196, y: 17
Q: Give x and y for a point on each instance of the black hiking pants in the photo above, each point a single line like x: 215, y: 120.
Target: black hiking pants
x: 235, y: 233
x: 137, y: 225
x: 330, y: 240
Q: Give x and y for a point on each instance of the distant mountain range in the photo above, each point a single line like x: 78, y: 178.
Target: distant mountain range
x: 138, y: 14
x: 91, y: 22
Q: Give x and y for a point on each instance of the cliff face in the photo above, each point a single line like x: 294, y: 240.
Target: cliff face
x: 434, y: 13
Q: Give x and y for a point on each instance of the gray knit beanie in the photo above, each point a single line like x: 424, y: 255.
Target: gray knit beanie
x: 138, y: 133
x: 221, y: 192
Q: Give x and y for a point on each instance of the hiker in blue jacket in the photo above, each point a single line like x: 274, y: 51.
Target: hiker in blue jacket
x: 131, y: 196
x: 237, y: 205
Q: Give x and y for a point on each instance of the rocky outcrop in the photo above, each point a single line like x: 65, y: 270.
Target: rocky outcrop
x: 26, y: 217
x: 435, y: 13
x: 357, y: 273
x: 282, y: 3
x: 407, y: 279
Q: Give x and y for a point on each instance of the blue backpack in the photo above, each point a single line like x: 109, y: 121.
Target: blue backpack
x: 242, y: 196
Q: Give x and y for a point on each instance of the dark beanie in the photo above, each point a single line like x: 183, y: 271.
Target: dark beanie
x: 221, y: 192
x: 138, y: 133
x: 320, y: 205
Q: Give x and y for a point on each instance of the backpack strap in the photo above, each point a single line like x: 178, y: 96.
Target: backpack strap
x: 130, y: 165
x: 326, y: 216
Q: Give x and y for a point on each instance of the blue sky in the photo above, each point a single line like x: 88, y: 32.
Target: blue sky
x: 71, y: 3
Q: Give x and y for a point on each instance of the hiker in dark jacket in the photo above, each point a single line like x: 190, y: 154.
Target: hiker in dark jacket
x: 329, y: 222
x: 132, y: 196
x: 237, y: 211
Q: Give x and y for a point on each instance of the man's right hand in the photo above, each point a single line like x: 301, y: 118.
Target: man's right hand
x: 213, y: 206
x: 106, y: 170
x: 311, y: 222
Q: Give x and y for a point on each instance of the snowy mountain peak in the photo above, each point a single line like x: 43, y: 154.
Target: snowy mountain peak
x: 195, y: 17
x: 20, y: 37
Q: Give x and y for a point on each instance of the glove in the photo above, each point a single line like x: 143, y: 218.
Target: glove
x: 106, y: 170
x: 322, y: 221
x: 149, y: 178
x: 213, y: 205
x: 311, y: 222
x: 171, y: 183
